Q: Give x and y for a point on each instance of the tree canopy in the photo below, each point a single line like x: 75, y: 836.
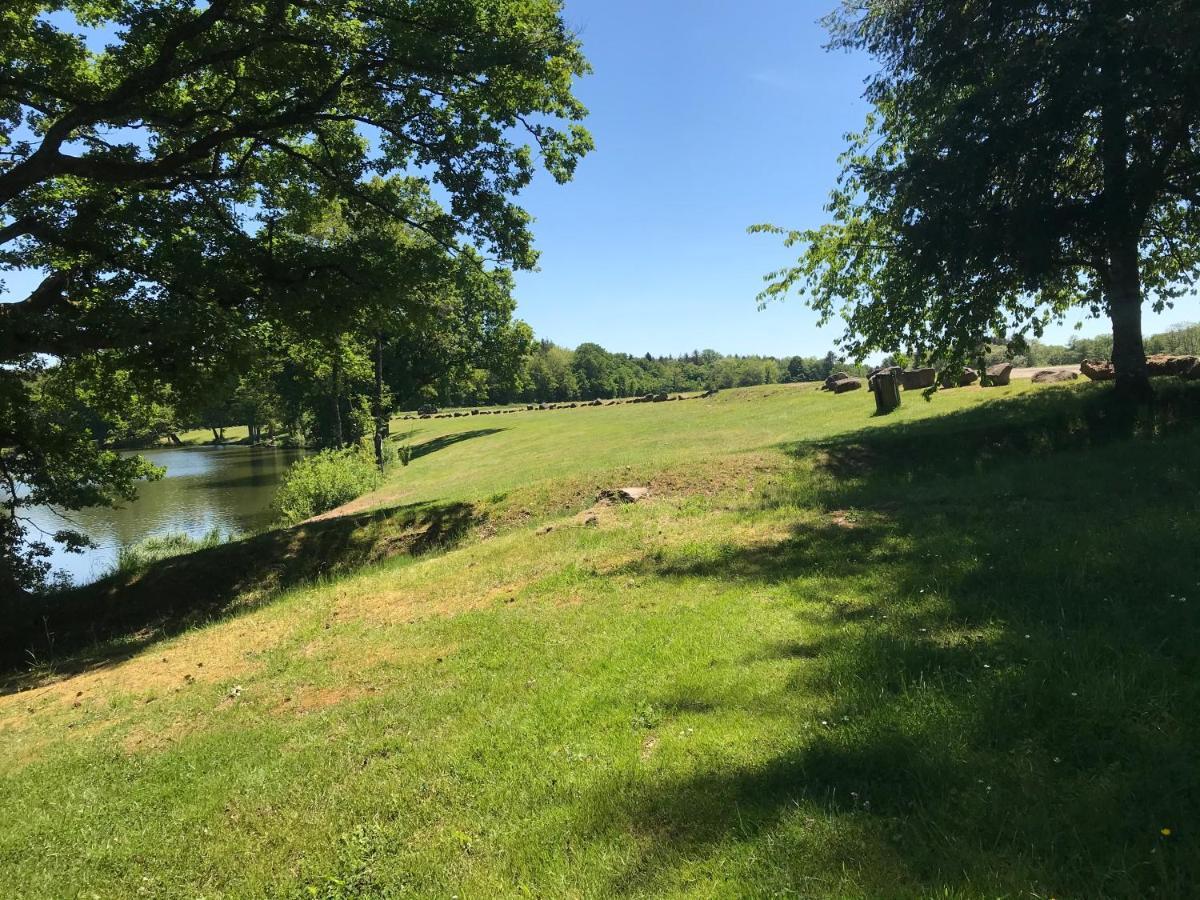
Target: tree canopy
x: 182, y: 174
x: 1021, y: 160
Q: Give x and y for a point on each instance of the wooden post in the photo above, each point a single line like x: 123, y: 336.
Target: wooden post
x: 886, y: 386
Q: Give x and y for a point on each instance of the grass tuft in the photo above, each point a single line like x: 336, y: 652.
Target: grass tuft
x: 137, y: 558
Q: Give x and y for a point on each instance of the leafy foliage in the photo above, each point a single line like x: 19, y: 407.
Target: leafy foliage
x: 324, y: 481
x: 49, y: 456
x: 1022, y: 159
x: 195, y: 181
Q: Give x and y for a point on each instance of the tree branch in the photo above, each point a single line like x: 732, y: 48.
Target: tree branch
x: 44, y: 161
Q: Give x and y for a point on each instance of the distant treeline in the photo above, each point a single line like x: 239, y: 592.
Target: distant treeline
x: 589, y: 372
x: 328, y: 398
x: 1179, y: 340
x: 323, y: 395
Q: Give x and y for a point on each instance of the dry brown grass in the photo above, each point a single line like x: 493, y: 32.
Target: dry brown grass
x: 201, y: 657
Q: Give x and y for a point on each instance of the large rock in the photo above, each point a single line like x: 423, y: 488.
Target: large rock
x: 885, y: 385
x: 883, y: 370
x: 918, y: 379
x: 1053, y: 376
x: 967, y: 376
x: 1164, y: 364
x: 846, y: 384
x: 1098, y: 370
x: 834, y: 379
x: 999, y: 375
x: 1160, y: 364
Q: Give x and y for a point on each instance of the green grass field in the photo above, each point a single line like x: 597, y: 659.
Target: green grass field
x: 946, y: 653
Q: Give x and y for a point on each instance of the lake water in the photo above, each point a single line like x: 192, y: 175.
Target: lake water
x: 228, y: 488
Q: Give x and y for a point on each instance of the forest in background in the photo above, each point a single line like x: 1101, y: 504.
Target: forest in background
x: 326, y: 394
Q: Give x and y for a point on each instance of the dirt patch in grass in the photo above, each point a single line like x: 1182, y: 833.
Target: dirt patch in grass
x: 310, y: 700
x: 579, y: 497
x: 712, y: 477
x: 844, y: 518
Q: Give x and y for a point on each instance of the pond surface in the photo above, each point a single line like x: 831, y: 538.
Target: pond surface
x: 204, y: 488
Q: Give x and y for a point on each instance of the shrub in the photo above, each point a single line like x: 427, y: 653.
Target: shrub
x: 324, y: 481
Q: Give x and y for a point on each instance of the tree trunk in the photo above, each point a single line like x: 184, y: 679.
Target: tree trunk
x: 380, y: 415
x: 336, y: 378
x: 1129, y: 352
x: 1122, y: 278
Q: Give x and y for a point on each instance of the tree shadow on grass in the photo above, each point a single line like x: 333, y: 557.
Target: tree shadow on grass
x: 1006, y: 652
x: 102, y: 623
x: 433, y: 445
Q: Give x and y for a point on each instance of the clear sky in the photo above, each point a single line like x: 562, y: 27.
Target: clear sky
x: 709, y: 116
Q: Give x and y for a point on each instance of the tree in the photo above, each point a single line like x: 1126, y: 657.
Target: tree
x: 1022, y: 159
x: 147, y: 180
x: 797, y: 370
x: 387, y: 312
x: 551, y: 374
x: 593, y: 367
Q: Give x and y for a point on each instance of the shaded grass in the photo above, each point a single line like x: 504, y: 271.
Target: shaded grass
x: 949, y: 657
x: 137, y: 606
x: 1008, y: 657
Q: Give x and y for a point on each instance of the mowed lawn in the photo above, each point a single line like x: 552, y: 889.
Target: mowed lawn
x: 951, y: 652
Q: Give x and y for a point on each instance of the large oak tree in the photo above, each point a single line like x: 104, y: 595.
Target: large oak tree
x: 1022, y: 159
x: 147, y: 148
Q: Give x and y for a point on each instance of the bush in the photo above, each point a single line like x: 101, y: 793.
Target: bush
x: 325, y: 481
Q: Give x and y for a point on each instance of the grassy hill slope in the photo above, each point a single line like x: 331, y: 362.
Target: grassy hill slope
x: 948, y: 652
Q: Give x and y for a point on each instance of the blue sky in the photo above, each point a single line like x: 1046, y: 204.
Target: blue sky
x: 709, y: 116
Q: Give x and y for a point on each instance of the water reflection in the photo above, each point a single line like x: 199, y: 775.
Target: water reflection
x: 228, y: 488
